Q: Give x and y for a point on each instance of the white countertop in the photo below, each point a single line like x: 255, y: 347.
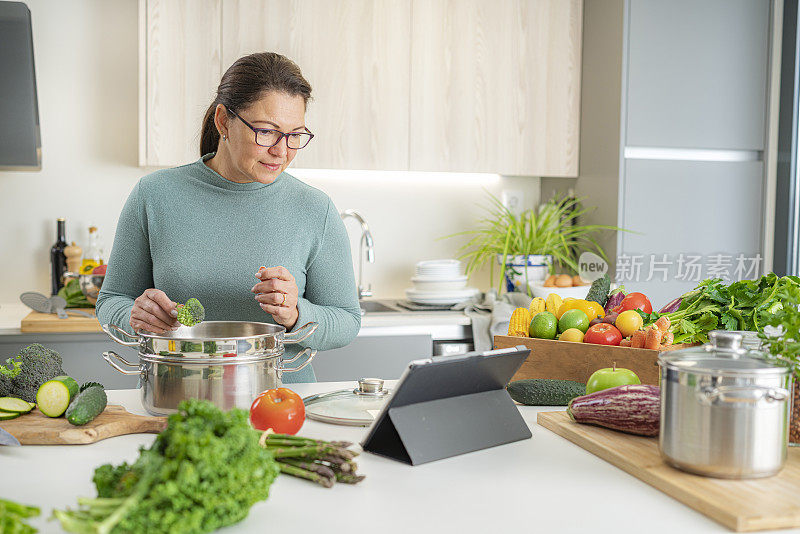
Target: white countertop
x: 542, y: 485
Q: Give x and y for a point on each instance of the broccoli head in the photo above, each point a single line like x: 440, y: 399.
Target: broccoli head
x: 22, y: 375
x: 191, y: 313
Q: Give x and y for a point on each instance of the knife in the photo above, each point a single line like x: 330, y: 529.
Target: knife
x: 8, y: 439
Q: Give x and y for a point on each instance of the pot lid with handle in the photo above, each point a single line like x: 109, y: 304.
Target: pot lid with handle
x: 352, y: 407
x: 726, y: 354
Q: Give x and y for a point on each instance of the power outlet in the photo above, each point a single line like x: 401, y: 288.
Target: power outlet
x: 512, y: 199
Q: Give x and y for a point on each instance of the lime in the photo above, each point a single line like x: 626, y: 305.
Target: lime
x: 544, y: 326
x: 574, y: 319
x: 571, y: 334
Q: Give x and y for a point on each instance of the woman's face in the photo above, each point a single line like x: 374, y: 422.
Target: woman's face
x: 250, y: 162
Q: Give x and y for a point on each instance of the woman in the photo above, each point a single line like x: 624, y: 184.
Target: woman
x: 232, y: 229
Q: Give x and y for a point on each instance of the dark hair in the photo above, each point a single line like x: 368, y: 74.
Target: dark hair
x: 245, y: 82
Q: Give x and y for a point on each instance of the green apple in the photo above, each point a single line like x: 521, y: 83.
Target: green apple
x: 610, y: 377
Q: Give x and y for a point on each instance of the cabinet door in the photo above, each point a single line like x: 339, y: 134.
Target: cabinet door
x: 699, y: 209
x: 697, y: 74
x: 495, y: 86
x: 178, y: 76
x: 355, y: 55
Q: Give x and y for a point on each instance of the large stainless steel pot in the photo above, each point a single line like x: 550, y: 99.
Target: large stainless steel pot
x: 226, y: 362
x: 724, y: 410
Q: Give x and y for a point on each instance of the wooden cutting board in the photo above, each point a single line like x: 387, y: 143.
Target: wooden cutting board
x: 741, y: 505
x: 36, y: 322
x: 36, y: 428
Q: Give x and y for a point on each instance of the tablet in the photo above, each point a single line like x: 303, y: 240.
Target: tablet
x: 450, y: 405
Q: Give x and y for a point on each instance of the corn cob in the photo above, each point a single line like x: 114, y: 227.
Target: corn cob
x: 520, y: 322
x: 553, y: 303
x: 537, y: 305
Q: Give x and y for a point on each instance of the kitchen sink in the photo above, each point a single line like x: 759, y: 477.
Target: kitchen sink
x: 372, y: 306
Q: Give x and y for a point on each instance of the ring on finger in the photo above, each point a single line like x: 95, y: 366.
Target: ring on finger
x: 284, y: 299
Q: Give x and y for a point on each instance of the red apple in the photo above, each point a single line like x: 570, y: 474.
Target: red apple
x: 610, y: 377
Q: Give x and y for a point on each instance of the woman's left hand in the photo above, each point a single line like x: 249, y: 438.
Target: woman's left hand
x: 277, y: 294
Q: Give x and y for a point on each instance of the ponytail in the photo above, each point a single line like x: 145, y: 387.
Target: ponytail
x: 209, y: 135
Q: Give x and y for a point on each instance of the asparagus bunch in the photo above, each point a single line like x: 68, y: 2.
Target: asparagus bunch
x: 323, y: 462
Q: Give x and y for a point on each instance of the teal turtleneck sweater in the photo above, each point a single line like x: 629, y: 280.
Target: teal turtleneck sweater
x: 191, y: 233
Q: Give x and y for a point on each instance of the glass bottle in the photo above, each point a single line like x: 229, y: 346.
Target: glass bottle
x: 58, y: 260
x: 93, y: 256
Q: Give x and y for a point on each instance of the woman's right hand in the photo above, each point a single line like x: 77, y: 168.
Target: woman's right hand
x: 154, y: 311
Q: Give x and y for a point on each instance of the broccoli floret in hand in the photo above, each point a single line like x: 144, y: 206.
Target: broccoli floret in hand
x: 191, y: 313
x: 22, y: 375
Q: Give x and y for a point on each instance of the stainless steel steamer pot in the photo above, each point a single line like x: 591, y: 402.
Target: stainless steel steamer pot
x: 724, y: 409
x: 225, y: 362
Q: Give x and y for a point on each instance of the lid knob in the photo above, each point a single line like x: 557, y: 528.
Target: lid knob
x: 726, y: 340
x: 370, y: 385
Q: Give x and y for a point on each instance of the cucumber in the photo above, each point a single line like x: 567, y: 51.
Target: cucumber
x: 55, y: 395
x: 635, y: 409
x: 545, y: 391
x: 14, y: 405
x: 87, y: 405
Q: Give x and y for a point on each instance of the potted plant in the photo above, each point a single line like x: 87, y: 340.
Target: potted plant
x: 532, y: 244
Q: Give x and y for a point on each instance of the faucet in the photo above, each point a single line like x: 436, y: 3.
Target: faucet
x: 366, y: 239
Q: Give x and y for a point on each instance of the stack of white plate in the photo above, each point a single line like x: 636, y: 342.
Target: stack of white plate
x: 439, y: 282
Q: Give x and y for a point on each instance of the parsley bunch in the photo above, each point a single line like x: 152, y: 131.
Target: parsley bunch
x: 785, y: 344
x: 203, y: 472
x: 713, y: 305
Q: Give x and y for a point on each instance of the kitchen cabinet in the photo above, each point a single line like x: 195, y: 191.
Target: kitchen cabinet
x: 716, y: 222
x: 676, y: 100
x: 355, y: 56
x: 695, y: 69
x: 495, y: 86
x: 179, y: 70
x: 460, y: 86
x: 378, y: 356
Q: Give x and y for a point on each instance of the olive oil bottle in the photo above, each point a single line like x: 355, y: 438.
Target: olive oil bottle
x: 93, y: 257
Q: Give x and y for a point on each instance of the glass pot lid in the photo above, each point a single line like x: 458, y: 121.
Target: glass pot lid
x: 353, y: 407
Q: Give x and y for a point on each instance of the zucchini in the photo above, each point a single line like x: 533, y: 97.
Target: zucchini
x: 5, y: 416
x: 635, y: 409
x: 87, y: 405
x: 14, y: 405
x: 599, y: 290
x: 545, y: 391
x: 55, y: 395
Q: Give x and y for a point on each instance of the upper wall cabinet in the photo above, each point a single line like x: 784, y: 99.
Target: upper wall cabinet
x: 695, y: 70
x: 354, y: 53
x: 432, y: 85
x: 179, y: 69
x: 495, y: 86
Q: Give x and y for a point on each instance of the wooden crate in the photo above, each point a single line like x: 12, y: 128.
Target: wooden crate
x: 577, y: 361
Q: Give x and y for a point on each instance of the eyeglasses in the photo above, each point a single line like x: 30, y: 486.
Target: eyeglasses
x: 268, y: 137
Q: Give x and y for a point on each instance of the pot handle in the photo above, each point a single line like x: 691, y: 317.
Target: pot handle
x: 742, y: 394
x: 107, y: 357
x: 106, y: 328
x: 310, y: 352
x: 301, y: 333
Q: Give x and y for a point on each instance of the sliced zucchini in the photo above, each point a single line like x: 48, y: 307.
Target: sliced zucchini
x: 55, y: 395
x: 5, y: 416
x: 14, y: 405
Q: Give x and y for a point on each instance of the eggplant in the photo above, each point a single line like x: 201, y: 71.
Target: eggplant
x: 672, y: 306
x: 634, y: 409
x: 614, y: 300
x: 610, y: 318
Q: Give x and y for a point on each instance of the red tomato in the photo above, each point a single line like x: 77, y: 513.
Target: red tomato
x: 280, y: 409
x: 636, y: 301
x: 603, y: 334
